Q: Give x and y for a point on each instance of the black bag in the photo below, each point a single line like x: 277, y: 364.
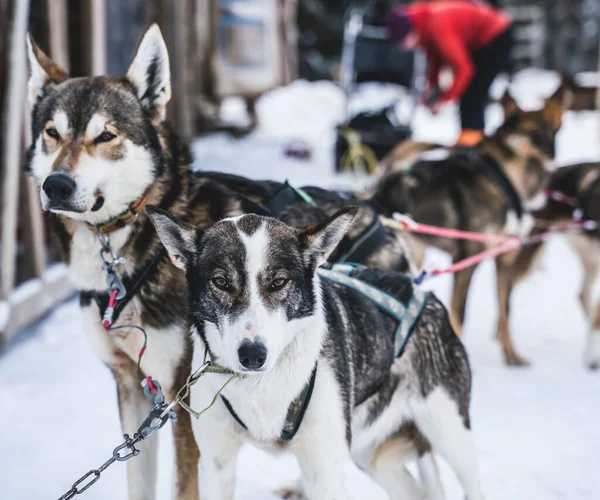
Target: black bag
x: 366, y: 139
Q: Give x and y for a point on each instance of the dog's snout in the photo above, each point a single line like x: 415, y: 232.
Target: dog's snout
x: 253, y: 355
x: 58, y: 187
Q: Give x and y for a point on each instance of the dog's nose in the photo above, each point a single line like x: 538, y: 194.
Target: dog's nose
x: 58, y: 187
x: 252, y: 355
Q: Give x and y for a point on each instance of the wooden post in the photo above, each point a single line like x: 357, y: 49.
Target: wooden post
x: 98, y: 22
x: 11, y: 162
x: 180, y: 80
x: 57, y: 21
x: 598, y: 89
x: 34, y: 228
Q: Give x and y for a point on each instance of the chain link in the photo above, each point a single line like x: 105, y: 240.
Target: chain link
x: 158, y: 416
x: 113, y: 282
x: 129, y: 443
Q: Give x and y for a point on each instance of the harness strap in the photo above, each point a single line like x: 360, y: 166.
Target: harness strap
x: 357, y: 250
x: 406, y: 315
x: 295, y: 413
x: 287, y: 196
x: 494, y: 172
x: 132, y: 285
x: 369, y: 241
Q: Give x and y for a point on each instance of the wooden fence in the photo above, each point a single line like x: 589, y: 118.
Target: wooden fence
x: 74, y: 33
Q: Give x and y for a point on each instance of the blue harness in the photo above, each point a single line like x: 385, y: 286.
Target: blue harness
x: 406, y: 314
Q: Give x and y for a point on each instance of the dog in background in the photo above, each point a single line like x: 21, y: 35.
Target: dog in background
x: 579, y: 188
x: 304, y: 345
x: 484, y: 189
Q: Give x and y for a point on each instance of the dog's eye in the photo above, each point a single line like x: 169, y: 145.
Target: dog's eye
x: 105, y: 137
x: 221, y: 283
x: 279, y: 283
x: 52, y: 133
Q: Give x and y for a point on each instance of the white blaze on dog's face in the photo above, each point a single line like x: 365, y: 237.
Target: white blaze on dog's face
x: 251, y: 281
x: 95, y: 148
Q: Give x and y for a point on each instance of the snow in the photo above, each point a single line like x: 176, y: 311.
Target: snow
x: 536, y: 428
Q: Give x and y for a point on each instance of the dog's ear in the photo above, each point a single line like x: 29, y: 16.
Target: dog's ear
x: 509, y: 105
x: 150, y: 74
x: 557, y: 104
x: 44, y: 71
x: 180, y: 239
x: 323, y: 238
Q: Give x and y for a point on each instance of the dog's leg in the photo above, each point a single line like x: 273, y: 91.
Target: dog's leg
x: 186, y: 450
x: 458, y: 303
x: 505, y: 280
x: 590, y: 271
x: 251, y: 109
x: 416, y: 251
x: 186, y: 459
x: 387, y: 468
x: 430, y: 477
x: 133, y: 409
x: 322, y: 460
x: 439, y: 419
x: 592, y: 352
x: 133, y: 405
x: 320, y: 445
x: 292, y: 492
x: 588, y: 253
x: 220, y: 448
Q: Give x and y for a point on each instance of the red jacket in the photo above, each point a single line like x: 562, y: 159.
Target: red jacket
x: 449, y: 31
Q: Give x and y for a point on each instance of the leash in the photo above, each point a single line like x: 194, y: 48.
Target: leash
x: 404, y: 223
x: 504, y: 244
x: 565, y: 199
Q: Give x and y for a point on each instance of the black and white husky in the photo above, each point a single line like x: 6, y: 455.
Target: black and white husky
x: 317, y: 364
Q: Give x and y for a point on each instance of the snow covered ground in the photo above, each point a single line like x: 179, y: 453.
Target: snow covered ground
x: 537, y: 429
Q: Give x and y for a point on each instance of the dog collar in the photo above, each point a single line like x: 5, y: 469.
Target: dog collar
x: 120, y: 220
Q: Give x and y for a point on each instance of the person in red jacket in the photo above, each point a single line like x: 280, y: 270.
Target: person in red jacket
x: 473, y: 39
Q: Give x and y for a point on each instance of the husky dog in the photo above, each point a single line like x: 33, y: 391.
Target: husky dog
x: 483, y: 190
x: 574, y: 193
x: 321, y: 352
x: 101, y: 149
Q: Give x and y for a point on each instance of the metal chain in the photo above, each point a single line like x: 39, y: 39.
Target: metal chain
x: 161, y: 412
x: 159, y: 415
x: 113, y: 282
x: 129, y: 443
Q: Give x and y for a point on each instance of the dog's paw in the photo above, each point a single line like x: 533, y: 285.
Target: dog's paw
x: 592, y: 352
x: 290, y: 494
x: 513, y: 359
